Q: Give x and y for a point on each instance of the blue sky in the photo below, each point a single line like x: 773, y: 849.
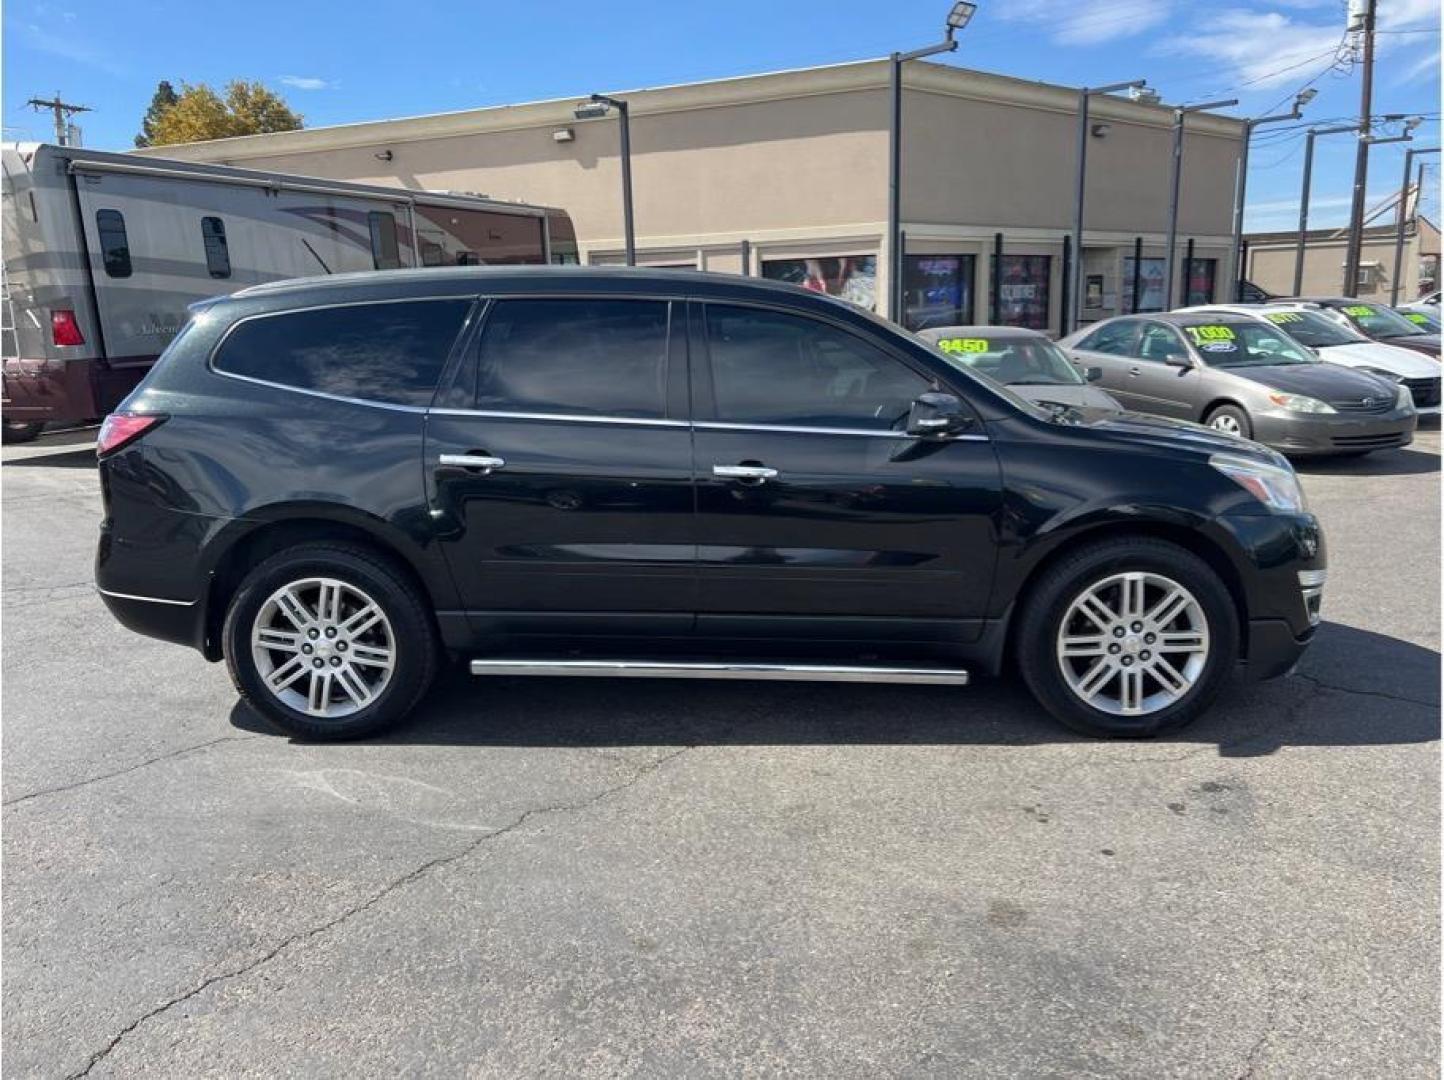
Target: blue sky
x: 358, y: 61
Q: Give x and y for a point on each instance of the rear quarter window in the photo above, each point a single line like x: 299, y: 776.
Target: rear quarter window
x: 392, y: 353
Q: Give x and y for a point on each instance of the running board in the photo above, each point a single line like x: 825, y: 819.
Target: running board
x: 663, y: 669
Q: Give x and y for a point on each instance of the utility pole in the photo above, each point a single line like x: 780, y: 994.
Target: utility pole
x: 1361, y: 155
x: 62, y: 112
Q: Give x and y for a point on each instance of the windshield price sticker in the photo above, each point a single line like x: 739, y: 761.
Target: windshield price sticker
x: 1359, y: 311
x: 1417, y: 317
x: 1284, y: 316
x: 1203, y: 334
x: 964, y: 344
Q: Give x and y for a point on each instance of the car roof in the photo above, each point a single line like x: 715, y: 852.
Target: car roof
x: 1193, y: 318
x: 936, y: 333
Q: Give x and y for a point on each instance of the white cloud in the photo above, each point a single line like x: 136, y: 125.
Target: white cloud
x: 1072, y: 23
x: 1426, y: 66
x: 306, y: 82
x: 1261, y: 48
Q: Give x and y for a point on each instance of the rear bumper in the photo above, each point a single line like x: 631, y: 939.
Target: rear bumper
x: 178, y: 621
x: 1299, y: 434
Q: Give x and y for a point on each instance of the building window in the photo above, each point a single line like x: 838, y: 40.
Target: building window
x: 1201, y: 275
x: 218, y: 255
x: 1021, y: 285
x: 384, y: 251
x: 852, y: 277
x: 114, y: 247
x: 1150, y: 289
x: 938, y: 290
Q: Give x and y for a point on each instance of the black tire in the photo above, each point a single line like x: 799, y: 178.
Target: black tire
x: 1237, y: 415
x: 417, y: 650
x: 21, y: 431
x: 1048, y: 601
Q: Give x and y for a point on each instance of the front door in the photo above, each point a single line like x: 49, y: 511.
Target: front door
x: 560, y: 478
x: 1162, y: 388
x: 816, y: 512
x: 1112, y: 349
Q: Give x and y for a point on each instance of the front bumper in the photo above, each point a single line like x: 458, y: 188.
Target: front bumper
x: 1299, y: 434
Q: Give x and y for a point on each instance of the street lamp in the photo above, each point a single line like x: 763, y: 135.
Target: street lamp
x: 1179, y: 113
x: 1313, y: 133
x: 958, y: 17
x: 1302, y: 98
x: 1072, y: 316
x: 1409, y: 156
x: 596, y: 107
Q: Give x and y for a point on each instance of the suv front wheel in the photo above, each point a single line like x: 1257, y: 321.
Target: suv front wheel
x: 329, y: 641
x: 1131, y: 637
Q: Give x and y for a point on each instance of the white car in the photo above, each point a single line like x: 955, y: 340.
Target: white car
x: 1342, y: 345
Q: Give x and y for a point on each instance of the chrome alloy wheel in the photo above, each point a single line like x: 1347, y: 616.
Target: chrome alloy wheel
x: 1133, y: 643
x: 323, y: 647
x: 1227, y: 423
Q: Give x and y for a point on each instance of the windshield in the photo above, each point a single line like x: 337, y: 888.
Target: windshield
x: 1379, y: 322
x: 1245, y: 344
x: 1423, y: 320
x: 1012, y: 361
x: 1312, y: 329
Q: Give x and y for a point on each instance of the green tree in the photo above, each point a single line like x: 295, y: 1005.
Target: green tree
x: 199, y: 113
x: 163, y: 98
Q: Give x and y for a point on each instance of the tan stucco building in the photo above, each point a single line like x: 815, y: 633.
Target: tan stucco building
x: 786, y: 175
x: 1270, y: 258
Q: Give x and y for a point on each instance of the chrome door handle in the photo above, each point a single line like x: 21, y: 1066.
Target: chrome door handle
x: 1135, y: 371
x: 745, y: 472
x: 485, y: 462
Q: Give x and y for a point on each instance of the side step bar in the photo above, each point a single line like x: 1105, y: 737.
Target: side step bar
x: 664, y: 669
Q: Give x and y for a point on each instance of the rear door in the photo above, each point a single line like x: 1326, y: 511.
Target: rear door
x: 817, y: 514
x: 559, y: 469
x: 1112, y: 349
x: 1160, y: 387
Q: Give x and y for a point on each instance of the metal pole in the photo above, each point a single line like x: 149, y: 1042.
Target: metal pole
x: 1304, y: 213
x: 1188, y: 272
x: 1361, y: 158
x: 1072, y: 310
x: 624, y: 115
x: 746, y: 258
x: 1137, y: 274
x: 1067, y: 277
x: 1409, y: 156
x: 894, y: 199
x: 1239, y: 193
x: 1171, y: 237
x: 996, y: 292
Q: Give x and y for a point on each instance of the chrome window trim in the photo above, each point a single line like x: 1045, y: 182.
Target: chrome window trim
x: 578, y: 418
x: 147, y: 599
x: 799, y: 429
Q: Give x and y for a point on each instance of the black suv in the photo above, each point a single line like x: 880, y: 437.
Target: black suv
x: 336, y: 483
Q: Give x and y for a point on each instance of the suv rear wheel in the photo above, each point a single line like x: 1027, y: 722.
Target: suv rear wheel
x: 328, y: 641
x: 1131, y: 638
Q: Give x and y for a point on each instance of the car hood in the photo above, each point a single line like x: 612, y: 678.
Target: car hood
x: 1166, y: 433
x: 1080, y: 397
x: 1326, y: 382
x: 1406, y: 363
x: 1428, y: 344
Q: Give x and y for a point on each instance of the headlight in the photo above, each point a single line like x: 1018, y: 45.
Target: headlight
x: 1274, y: 485
x: 1299, y: 403
x: 1404, y: 397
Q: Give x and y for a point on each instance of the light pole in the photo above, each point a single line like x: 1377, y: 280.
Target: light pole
x: 1313, y: 133
x: 595, y: 108
x: 1409, y: 156
x: 1302, y: 98
x: 1072, y: 316
x: 958, y: 16
x: 1175, y: 176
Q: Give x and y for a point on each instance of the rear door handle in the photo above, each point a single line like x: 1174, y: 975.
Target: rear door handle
x: 485, y: 462
x: 1135, y: 371
x: 758, y: 473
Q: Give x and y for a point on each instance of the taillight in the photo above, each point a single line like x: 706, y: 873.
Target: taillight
x: 121, y: 429
x: 64, y: 329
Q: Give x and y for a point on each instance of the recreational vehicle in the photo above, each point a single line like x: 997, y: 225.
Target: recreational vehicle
x: 103, y: 253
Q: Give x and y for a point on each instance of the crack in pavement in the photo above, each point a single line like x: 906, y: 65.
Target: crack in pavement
x: 386, y: 890
x: 1318, y: 682
x: 128, y: 769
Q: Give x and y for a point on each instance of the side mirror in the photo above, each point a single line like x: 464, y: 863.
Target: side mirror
x: 1093, y: 374
x: 1178, y: 360
x: 936, y: 414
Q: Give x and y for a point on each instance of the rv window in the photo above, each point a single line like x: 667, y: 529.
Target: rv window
x: 381, y: 352
x: 218, y: 256
x: 384, y: 252
x: 114, y: 247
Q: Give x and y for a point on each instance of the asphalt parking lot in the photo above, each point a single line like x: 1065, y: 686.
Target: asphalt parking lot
x: 600, y: 878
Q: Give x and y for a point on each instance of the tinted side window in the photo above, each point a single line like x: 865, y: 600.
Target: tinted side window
x: 773, y: 368
x: 583, y: 357
x: 114, y: 247
x: 391, y: 353
x: 1159, y: 342
x: 1115, y: 338
x: 384, y: 252
x: 218, y: 255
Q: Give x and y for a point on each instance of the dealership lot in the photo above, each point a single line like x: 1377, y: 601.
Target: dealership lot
x: 661, y: 878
